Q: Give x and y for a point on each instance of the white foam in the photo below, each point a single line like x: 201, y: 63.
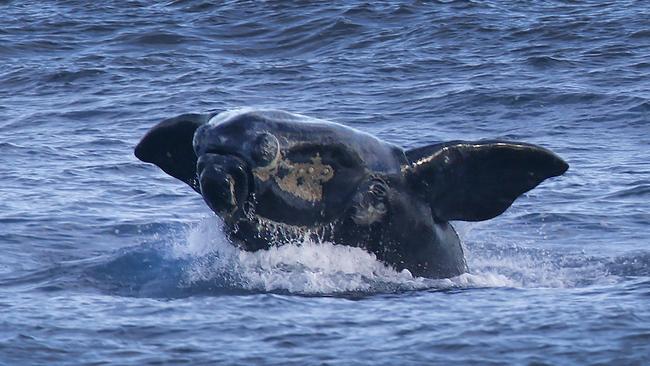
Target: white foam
x: 312, y: 267
x: 527, y: 265
x: 307, y: 267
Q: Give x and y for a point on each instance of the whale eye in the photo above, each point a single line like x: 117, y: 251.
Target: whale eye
x: 265, y: 149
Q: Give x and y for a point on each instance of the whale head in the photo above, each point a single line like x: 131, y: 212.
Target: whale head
x: 270, y: 163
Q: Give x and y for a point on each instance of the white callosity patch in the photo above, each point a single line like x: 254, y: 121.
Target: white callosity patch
x: 303, y: 180
x: 370, y: 206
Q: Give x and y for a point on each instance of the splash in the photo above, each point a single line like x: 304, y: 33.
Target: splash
x: 199, y: 259
x: 320, y: 267
x: 529, y: 265
x: 307, y: 266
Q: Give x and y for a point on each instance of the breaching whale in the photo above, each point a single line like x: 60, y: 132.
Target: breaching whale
x: 274, y: 177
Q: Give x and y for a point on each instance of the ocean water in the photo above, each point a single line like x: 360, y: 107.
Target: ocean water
x: 106, y: 260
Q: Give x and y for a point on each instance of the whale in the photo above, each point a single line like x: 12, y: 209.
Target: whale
x: 276, y: 178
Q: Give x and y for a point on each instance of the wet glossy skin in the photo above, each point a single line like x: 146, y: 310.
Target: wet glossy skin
x: 302, y: 171
x: 321, y: 179
x: 276, y: 177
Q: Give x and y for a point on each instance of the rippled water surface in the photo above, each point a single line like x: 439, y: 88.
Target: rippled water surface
x: 108, y: 260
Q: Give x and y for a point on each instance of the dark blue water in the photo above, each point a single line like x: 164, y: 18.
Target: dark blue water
x: 108, y: 260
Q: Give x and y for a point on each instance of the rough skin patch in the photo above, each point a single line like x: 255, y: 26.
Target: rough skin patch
x: 303, y: 180
x: 370, y: 206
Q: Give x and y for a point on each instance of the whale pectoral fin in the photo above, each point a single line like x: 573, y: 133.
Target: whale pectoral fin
x: 475, y: 181
x: 169, y: 146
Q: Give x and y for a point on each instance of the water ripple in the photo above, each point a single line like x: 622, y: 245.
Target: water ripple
x: 97, y: 265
